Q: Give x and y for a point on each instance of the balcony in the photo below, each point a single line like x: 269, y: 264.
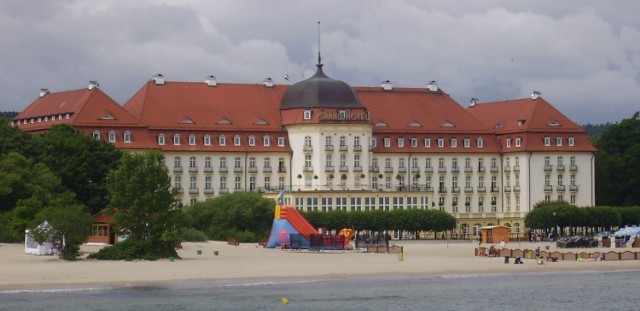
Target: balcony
x: 468, y: 189
x: 177, y: 169
x: 208, y: 170
x: 357, y: 148
x: 402, y: 170
x: 560, y: 168
x: 193, y: 191
x: 193, y: 169
x: 428, y: 170
x: 516, y: 169
x: 179, y: 190
x: 428, y: 189
x: 307, y: 169
x: 493, y: 169
x: 329, y: 169
x: 442, y: 190
x: 307, y: 149
x: 415, y: 170
x: 357, y: 168
x: 573, y: 168
x: 507, y: 188
x: 253, y: 170
x: 388, y: 170
x: 516, y: 189
x: 343, y: 169
x: 237, y: 169
x: 282, y: 169
x: 455, y: 189
x: 573, y: 188
x: 343, y: 148
x: 208, y: 191
x: 482, y: 189
x: 442, y: 170
x: 223, y: 190
x: 455, y: 169
x: 507, y: 169
x: 374, y: 169
x: 548, y: 188
x: 548, y: 168
x: 328, y: 148
x: 468, y: 169
x: 495, y: 189
x: 561, y: 188
x: 266, y: 169
x: 482, y: 169
x: 223, y: 170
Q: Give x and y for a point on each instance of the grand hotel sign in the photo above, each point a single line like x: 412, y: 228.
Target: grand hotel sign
x: 343, y: 116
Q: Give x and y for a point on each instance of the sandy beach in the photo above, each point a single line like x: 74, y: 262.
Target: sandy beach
x: 249, y: 261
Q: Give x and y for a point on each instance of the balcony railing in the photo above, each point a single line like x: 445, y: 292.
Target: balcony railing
x: 343, y: 169
x: 177, y: 169
x: 328, y: 148
x: 507, y: 188
x: 357, y: 148
x: 237, y: 169
x: 442, y: 190
x: 516, y: 168
x: 516, y: 188
x: 455, y: 189
x: 266, y: 169
x: 223, y: 190
x: 282, y: 169
x: 223, y: 169
x: 468, y: 189
x: 329, y: 169
x: 253, y: 170
x: 207, y: 169
x: 468, y: 169
x: 573, y: 188
x: 374, y: 169
x: 482, y: 169
x: 307, y: 169
x: 208, y: 191
x: 494, y: 169
x: 357, y: 168
x: 507, y: 169
x: 495, y: 189
x: 307, y: 149
x: 548, y: 168
x: 343, y: 148
x: 428, y: 170
x: 560, y: 168
x: 482, y: 189
x: 193, y: 169
x: 455, y: 169
x: 415, y: 170
x: 560, y: 188
x: 548, y: 188
x: 388, y: 169
x: 442, y: 170
x: 193, y: 191
x: 402, y: 170
x: 573, y: 168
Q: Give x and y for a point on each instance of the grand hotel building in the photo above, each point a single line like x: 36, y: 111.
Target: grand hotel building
x: 331, y: 146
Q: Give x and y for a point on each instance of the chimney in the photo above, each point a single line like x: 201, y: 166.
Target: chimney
x: 535, y: 95
x: 158, y: 79
x: 210, y: 80
x: 93, y: 84
x: 473, y: 102
x: 44, y: 92
x: 268, y: 82
x: 386, y: 85
x: 432, y: 86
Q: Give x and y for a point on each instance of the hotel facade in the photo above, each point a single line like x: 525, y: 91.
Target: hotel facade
x: 331, y: 146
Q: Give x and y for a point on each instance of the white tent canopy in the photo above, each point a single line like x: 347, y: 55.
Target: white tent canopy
x: 32, y: 247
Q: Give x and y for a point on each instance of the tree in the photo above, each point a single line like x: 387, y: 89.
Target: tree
x: 245, y: 215
x: 21, y: 178
x: 82, y: 163
x: 13, y: 139
x: 143, y: 208
x: 70, y: 224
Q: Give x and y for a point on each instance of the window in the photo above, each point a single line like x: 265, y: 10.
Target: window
x: 329, y: 160
x: 398, y: 203
x: 192, y: 140
x: 207, y: 162
x: 341, y: 204
x: 238, y: 183
x: 440, y: 142
x: 223, y: 182
x: 558, y: 141
x: 571, y: 141
x: 328, y: 141
x: 493, y: 162
x: 454, y: 163
x: 280, y: 141
x: 343, y: 160
x: 96, y: 135
x: 481, y: 181
x: 281, y: 182
x: 356, y: 160
x: 547, y: 180
x: 572, y: 161
x: 342, y: 114
x: 127, y: 137
x: 176, y: 139
x: 207, y: 140
x: 547, y: 141
x: 467, y: 142
x: 467, y: 162
x: 383, y: 203
x: 252, y: 140
x: 427, y: 163
x: 267, y: 162
x: 307, y: 114
x: 161, y: 140
x: 237, y: 162
x: 207, y: 182
x: 307, y: 141
x: 343, y: 141
x: 369, y: 204
x: 560, y: 182
x: 518, y: 141
x: 387, y: 142
x: 307, y: 161
x: 454, y: 143
x: 356, y: 141
x: 508, y: 142
x: 223, y: 162
x: 252, y: 162
x: 112, y: 136
x: 222, y: 140
x: 441, y: 163
x: 387, y: 182
x: 546, y: 161
x: 374, y: 142
x: 267, y: 182
x: 192, y: 161
x: 401, y: 142
x: 374, y: 182
x: 327, y: 204
x: 177, y: 182
x: 414, y: 142
x: 192, y: 182
x: 414, y: 163
x: 560, y: 161
x: 480, y: 142
x: 236, y: 140
x: 573, y: 199
x: 177, y: 162
x: 427, y: 142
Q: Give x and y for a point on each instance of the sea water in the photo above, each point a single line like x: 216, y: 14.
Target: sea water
x: 585, y: 290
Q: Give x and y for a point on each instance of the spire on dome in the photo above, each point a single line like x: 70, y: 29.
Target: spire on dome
x: 319, y: 65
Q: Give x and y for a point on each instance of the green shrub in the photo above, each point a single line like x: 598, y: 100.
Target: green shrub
x: 132, y: 250
x: 193, y: 235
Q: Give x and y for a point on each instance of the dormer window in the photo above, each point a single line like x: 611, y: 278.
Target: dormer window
x: 518, y: 141
x: 401, y: 142
x: 467, y: 143
x: 387, y: 142
x: 427, y: 142
x: 207, y: 140
x: 480, y: 142
x: 508, y: 142
x: 266, y: 141
x: 127, y: 137
x: 222, y: 140
x: 374, y: 142
x: 558, y: 141
x: 280, y: 141
x: 176, y: 139
x: 414, y: 142
x: 342, y: 114
x: 252, y: 140
x: 547, y: 141
x: 112, y: 136
x: 192, y: 140
x: 307, y: 114
x: 454, y: 143
x: 96, y: 135
x: 161, y: 140
x: 571, y: 141
x: 440, y: 142
x: 236, y: 140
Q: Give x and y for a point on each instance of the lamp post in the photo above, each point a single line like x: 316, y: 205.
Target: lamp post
x: 555, y: 226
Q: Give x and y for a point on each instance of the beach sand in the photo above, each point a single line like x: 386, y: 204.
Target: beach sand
x: 249, y: 261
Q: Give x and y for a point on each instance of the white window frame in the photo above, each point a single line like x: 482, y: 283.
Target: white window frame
x: 192, y: 140
x: 454, y: 143
x: 547, y: 141
x: 252, y: 140
x: 427, y: 142
x: 307, y: 114
x: 207, y: 140
x: 480, y: 142
x: 266, y: 141
x: 280, y: 141
x: 559, y: 141
x: 222, y: 140
x: 112, y: 136
x: 518, y: 141
x: 126, y: 136
x: 387, y: 142
x: 467, y: 143
x: 95, y: 134
x: 176, y: 139
x: 571, y: 141
x: 440, y: 142
x: 400, y: 142
x: 161, y: 140
x: 237, y: 140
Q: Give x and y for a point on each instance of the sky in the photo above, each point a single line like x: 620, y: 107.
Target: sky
x: 583, y: 56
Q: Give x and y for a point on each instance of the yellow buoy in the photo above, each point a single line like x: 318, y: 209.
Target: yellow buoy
x: 285, y: 301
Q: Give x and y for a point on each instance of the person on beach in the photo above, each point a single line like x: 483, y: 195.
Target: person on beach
x: 537, y: 252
